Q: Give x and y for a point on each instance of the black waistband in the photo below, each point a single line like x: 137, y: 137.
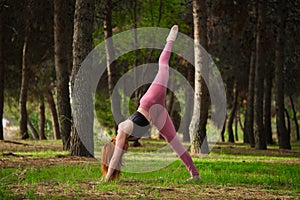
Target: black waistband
x: 140, y: 125
x: 139, y: 119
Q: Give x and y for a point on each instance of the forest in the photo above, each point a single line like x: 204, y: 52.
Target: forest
x: 253, y: 47
x: 254, y: 44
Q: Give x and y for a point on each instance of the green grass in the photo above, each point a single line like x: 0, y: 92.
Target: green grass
x: 222, y: 170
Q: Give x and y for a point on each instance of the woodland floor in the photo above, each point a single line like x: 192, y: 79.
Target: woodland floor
x: 18, y: 155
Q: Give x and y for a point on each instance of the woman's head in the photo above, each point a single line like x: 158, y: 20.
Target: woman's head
x: 107, y: 153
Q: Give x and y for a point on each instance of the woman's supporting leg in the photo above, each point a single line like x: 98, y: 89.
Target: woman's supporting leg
x: 168, y: 131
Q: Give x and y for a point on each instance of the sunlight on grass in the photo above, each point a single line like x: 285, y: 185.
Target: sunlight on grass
x: 42, y: 154
x: 228, y: 166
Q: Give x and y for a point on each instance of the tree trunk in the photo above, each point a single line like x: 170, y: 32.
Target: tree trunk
x: 53, y: 111
x: 110, y: 59
x: 295, y: 118
x: 42, y: 118
x: 1, y: 71
x: 268, y: 105
x: 260, y: 137
x: 110, y: 53
x: 288, y: 121
x: 63, y: 26
x: 138, y: 93
x: 24, y: 84
x: 188, y: 104
x: 82, y: 45
x: 201, y: 100
x: 33, y: 131
x: 239, y: 117
x: 223, y: 130
x: 236, y: 121
x: 283, y: 135
x: 249, y: 116
x: 232, y: 115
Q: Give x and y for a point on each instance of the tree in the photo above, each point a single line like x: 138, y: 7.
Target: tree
x: 267, y: 105
x: 269, y: 73
x: 232, y: 114
x: 229, y: 43
x: 201, y: 99
x: 188, y: 106
x: 260, y: 137
x: 24, y: 85
x: 63, y: 26
x: 82, y: 45
x: 33, y: 131
x: 249, y: 116
x: 295, y: 117
x: 292, y: 58
x: 110, y: 53
x: 238, y: 41
x: 283, y: 135
x: 1, y: 68
x: 110, y: 57
x: 53, y: 111
x: 42, y: 118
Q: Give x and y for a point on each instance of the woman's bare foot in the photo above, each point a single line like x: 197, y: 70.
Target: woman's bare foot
x: 173, y: 33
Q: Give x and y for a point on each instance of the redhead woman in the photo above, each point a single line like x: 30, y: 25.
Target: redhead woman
x: 151, y: 111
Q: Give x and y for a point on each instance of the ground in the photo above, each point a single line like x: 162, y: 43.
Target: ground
x: 26, y: 157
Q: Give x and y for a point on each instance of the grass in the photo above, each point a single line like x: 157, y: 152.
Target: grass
x: 229, y: 172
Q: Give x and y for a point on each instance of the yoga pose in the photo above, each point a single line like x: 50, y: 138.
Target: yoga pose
x: 152, y: 111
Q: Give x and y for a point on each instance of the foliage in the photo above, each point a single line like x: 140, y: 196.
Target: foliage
x: 230, y: 34
x: 103, y: 110
x: 154, y: 13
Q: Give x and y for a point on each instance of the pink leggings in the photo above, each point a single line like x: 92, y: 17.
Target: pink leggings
x: 153, y: 101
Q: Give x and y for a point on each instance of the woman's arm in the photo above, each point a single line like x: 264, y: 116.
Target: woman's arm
x: 120, y: 149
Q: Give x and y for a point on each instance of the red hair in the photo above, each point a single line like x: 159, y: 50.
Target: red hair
x: 107, y: 153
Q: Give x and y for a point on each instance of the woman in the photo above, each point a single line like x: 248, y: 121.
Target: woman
x: 152, y: 111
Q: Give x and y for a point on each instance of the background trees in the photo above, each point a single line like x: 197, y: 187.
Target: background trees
x: 1, y: 67
x: 82, y: 45
x: 63, y: 36
x: 248, y: 40
x: 201, y: 100
x: 282, y: 132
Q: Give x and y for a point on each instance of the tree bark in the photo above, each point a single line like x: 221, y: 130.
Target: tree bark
x: 138, y: 92
x: 260, y: 137
x: 223, y: 130
x: 283, y: 135
x: 1, y: 71
x: 201, y: 100
x: 236, y: 122
x: 268, y: 105
x: 54, y: 116
x: 82, y: 45
x: 33, y: 131
x: 110, y: 57
x: 232, y: 115
x: 288, y: 121
x: 110, y: 53
x: 249, y: 116
x: 295, y: 118
x: 188, y: 104
x: 63, y: 26
x: 42, y: 118
x: 24, y: 84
